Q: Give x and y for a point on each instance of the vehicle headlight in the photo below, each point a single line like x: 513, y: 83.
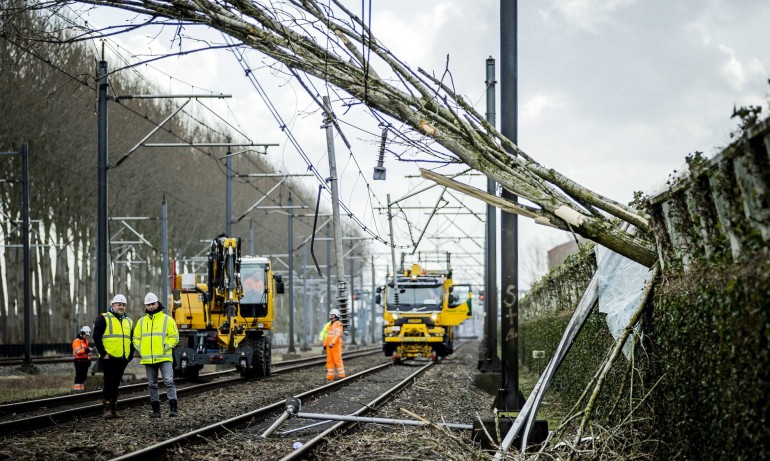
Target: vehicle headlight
x: 395, y: 316
x: 434, y: 317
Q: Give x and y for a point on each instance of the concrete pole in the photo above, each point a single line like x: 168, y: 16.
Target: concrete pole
x: 342, y: 299
x: 328, y: 271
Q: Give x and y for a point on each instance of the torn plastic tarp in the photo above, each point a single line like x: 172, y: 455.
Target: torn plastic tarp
x: 621, y: 283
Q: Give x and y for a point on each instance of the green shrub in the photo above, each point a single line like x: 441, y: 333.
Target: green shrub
x: 709, y: 332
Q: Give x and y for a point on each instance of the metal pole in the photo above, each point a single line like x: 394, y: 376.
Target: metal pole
x: 101, y: 181
x: 362, y: 324
x: 291, y: 280
x: 251, y: 238
x: 352, y: 294
x: 27, y: 274
x: 374, y: 305
x: 488, y: 358
x: 229, y: 195
x: 164, y: 248
x: 509, y: 397
x: 395, y: 422
x: 342, y: 300
x: 305, y: 300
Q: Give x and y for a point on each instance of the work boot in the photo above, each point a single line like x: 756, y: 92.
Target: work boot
x: 107, y: 410
x: 114, y: 409
x: 155, y: 409
x: 171, y: 407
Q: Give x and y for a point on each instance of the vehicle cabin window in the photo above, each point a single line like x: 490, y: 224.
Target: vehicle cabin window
x: 415, y: 299
x: 253, y: 281
x: 461, y: 292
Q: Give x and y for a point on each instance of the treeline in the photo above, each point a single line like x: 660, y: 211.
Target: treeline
x: 49, y: 101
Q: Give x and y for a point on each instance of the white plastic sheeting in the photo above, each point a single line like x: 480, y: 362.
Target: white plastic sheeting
x: 621, y: 283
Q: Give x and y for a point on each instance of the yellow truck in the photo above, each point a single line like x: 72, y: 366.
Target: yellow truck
x: 226, y: 315
x: 420, y: 314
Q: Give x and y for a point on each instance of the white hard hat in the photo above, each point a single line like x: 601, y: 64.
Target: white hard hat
x: 86, y: 330
x: 150, y: 298
x: 119, y: 299
x: 335, y: 312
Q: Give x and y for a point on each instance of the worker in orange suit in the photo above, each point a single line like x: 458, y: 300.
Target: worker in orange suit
x: 333, y: 346
x: 81, y: 351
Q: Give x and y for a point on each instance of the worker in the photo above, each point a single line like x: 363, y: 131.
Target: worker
x: 112, y: 338
x: 82, y: 352
x: 333, y: 346
x: 155, y: 336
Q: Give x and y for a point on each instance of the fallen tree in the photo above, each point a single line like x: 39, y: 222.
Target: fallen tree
x: 331, y: 43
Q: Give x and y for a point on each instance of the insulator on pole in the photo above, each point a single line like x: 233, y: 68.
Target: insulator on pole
x: 379, y: 169
x: 342, y: 304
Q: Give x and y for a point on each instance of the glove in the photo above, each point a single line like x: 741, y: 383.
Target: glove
x: 324, y: 347
x: 88, y: 350
x: 331, y: 345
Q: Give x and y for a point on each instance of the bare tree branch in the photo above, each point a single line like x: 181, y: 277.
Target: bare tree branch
x: 330, y: 42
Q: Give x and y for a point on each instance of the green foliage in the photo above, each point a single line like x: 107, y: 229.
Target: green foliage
x: 640, y: 198
x: 748, y: 116
x: 584, y: 358
x: 695, y: 159
x: 710, y: 336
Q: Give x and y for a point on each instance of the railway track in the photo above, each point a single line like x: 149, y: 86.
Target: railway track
x: 38, y: 413
x: 227, y: 423
x: 67, y: 358
x: 38, y: 360
x: 267, y: 430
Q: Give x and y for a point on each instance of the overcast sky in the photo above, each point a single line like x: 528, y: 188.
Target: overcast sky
x: 612, y: 93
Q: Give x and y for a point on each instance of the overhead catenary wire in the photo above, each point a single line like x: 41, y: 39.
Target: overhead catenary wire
x: 310, y: 166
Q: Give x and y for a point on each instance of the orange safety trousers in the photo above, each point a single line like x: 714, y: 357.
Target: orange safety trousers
x: 334, y: 354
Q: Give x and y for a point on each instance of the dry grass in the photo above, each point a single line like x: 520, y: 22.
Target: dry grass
x: 26, y: 386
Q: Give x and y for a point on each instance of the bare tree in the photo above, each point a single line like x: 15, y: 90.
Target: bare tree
x: 333, y: 44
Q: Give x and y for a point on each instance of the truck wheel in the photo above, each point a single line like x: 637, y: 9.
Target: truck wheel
x: 268, y: 356
x: 260, y: 359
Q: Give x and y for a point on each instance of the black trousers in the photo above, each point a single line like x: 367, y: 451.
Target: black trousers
x: 81, y: 370
x: 113, y: 369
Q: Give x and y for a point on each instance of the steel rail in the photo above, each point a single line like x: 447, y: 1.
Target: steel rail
x: 159, y: 449
x: 48, y: 419
x: 346, y: 426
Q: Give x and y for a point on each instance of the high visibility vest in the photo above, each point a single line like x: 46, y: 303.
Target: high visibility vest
x: 79, y: 346
x: 324, y: 331
x: 155, y: 337
x: 334, y: 332
x: 117, y: 335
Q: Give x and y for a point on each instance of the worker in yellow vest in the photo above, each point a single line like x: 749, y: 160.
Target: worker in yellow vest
x: 112, y: 338
x: 155, y: 336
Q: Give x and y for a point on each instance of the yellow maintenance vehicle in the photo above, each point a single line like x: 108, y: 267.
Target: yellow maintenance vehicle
x: 420, y: 314
x: 226, y: 316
